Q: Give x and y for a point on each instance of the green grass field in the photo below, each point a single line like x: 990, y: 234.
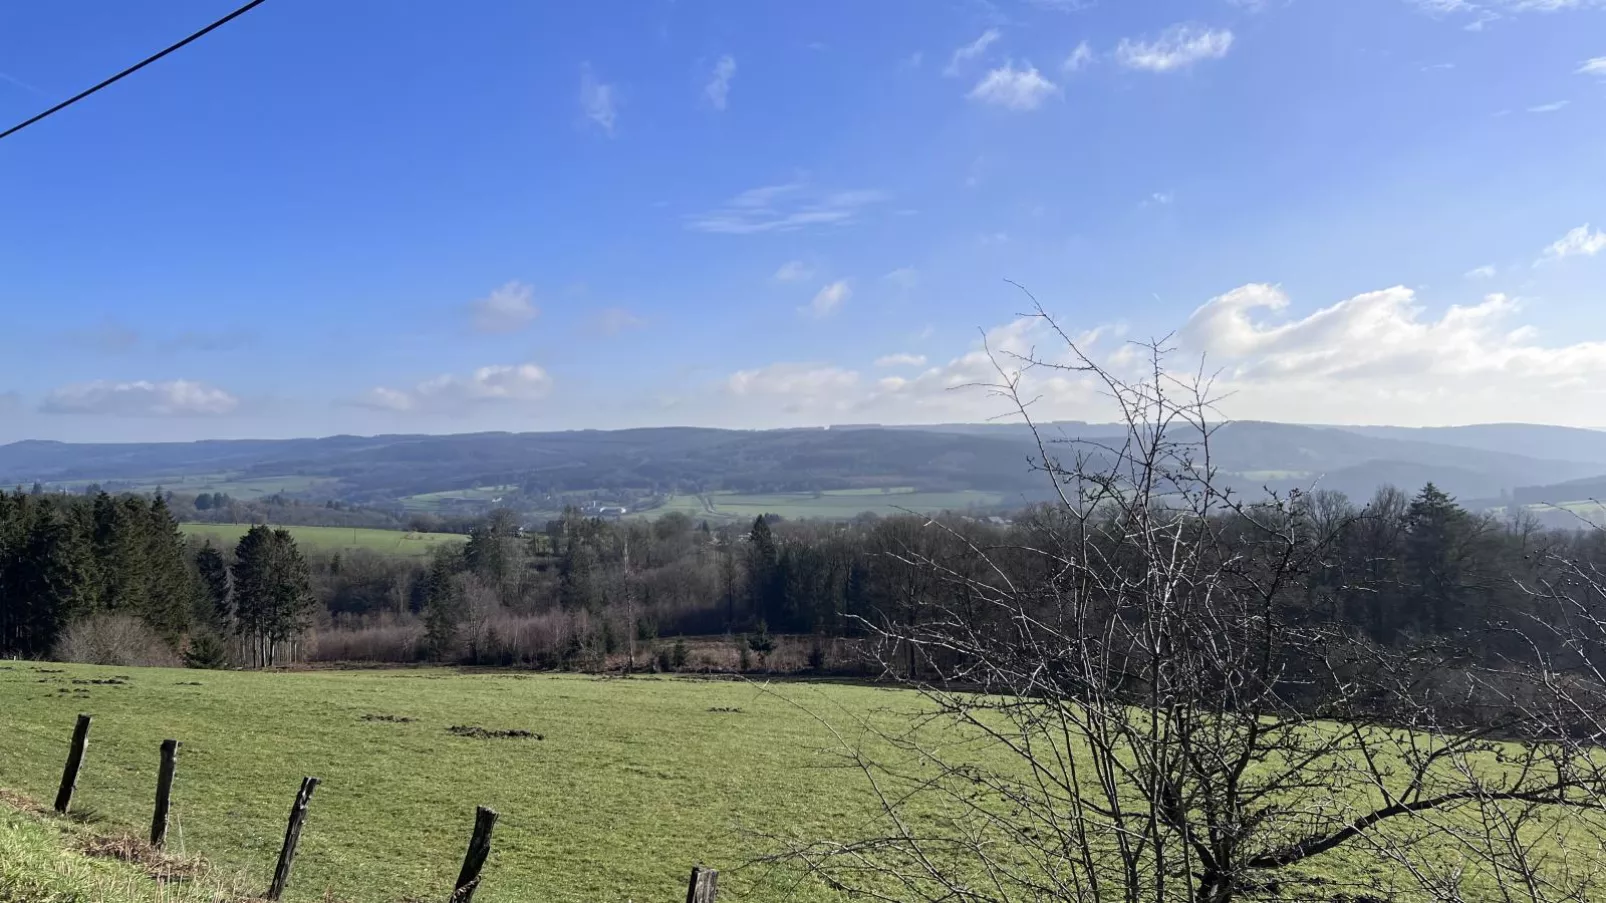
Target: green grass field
x: 45, y: 859
x: 433, y: 501
x: 335, y: 539
x: 630, y: 783
x: 240, y: 487
x: 830, y: 505
x: 635, y: 781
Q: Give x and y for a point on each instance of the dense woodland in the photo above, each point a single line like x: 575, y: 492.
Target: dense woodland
x: 1396, y: 569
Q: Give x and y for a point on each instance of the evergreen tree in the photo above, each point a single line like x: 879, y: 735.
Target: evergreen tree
x: 272, y: 591
x: 171, y: 597
x: 1437, y: 533
x: 763, y: 570
x: 217, y: 587
x: 442, y: 606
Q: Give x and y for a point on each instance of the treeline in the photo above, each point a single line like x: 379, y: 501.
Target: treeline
x: 1394, y: 570
x: 64, y: 558
x: 77, y: 575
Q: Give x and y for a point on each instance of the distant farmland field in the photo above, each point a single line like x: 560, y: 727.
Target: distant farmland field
x: 336, y: 539
x: 829, y: 505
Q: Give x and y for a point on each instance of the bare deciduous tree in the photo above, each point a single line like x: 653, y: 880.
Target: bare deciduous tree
x: 1140, y: 702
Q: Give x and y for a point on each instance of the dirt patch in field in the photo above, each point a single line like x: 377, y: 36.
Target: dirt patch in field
x: 485, y: 733
x: 102, y: 681
x: 389, y: 719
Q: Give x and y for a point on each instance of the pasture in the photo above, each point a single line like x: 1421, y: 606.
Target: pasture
x: 330, y: 540
x: 632, y: 782
x: 828, y: 505
x: 618, y: 788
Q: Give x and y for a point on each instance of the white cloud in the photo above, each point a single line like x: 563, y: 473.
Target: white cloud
x: 783, y: 208
x: 793, y: 271
x: 1159, y: 199
x: 597, y: 100
x: 971, y: 51
x: 1580, y: 242
x: 507, y: 309
x: 175, y: 398
x: 1482, y: 12
x: 802, y: 382
x: 1377, y: 357
x: 451, y: 394
x: 1484, y: 272
x: 615, y: 320
x: 1014, y: 89
x: 901, y: 360
x: 828, y: 299
x: 1080, y: 58
x: 1178, y: 47
x: 1549, y: 107
x: 904, y: 277
x: 718, y: 88
x: 1596, y: 66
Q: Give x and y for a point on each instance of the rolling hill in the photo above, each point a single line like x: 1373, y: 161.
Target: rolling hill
x: 1471, y: 462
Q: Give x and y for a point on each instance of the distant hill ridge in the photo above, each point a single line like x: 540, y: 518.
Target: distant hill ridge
x: 1482, y: 462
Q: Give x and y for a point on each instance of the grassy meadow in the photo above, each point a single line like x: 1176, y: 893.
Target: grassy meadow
x: 335, y: 539
x: 633, y: 782
x: 829, y: 505
x: 623, y: 785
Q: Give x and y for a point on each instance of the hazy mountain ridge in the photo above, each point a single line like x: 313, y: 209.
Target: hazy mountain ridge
x: 1482, y: 462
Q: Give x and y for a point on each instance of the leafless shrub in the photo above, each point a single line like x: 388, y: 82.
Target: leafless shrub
x: 114, y: 639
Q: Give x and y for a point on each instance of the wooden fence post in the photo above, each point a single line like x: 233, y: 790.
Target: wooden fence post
x: 164, y: 793
x: 704, y: 885
x: 479, y: 849
x: 75, y: 761
x: 292, y: 836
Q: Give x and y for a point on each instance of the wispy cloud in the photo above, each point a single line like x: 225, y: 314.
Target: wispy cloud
x: 615, y: 320
x: 901, y: 360
x: 793, y: 271
x: 1080, y: 58
x: 597, y: 100
x: 903, y: 277
x: 1484, y: 272
x: 1596, y: 66
x: 13, y: 80
x: 788, y: 379
x: 506, y: 309
x: 1483, y: 12
x: 827, y: 300
x: 784, y: 208
x: 1580, y: 242
x: 1178, y: 47
x: 971, y: 51
x: 1014, y: 89
x: 1549, y: 107
x: 140, y: 398
x: 452, y: 394
x: 718, y: 88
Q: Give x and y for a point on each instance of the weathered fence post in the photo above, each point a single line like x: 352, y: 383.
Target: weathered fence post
x: 704, y: 885
x: 292, y: 836
x: 479, y: 849
x: 164, y: 793
x: 75, y: 760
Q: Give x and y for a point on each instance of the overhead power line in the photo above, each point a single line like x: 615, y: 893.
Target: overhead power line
x: 134, y: 68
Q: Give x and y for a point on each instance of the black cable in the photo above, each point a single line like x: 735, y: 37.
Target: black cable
x: 135, y: 68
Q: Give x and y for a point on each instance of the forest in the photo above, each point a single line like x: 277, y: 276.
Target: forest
x: 74, y: 569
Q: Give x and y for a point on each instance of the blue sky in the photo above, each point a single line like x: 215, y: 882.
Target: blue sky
x: 395, y: 217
